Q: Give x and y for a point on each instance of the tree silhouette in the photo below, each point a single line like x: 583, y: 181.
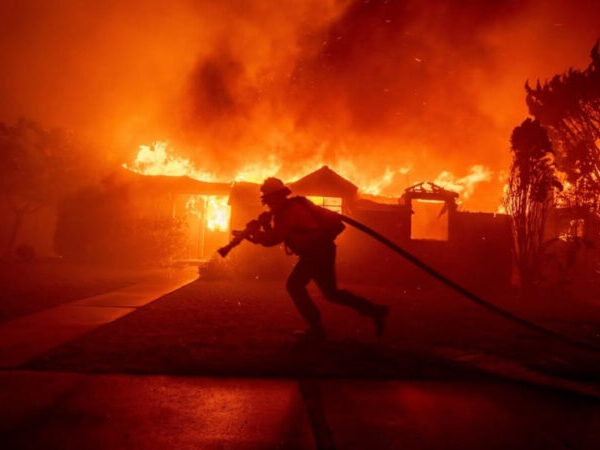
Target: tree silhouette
x: 568, y: 106
x: 37, y: 166
x: 529, y: 195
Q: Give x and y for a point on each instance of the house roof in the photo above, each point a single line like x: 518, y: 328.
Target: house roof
x: 324, y: 182
x: 244, y: 192
x: 162, y: 184
x: 430, y: 191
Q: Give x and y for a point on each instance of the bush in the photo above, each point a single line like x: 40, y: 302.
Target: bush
x: 102, y: 225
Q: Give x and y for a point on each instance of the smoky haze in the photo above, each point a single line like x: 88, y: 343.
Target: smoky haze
x: 406, y: 89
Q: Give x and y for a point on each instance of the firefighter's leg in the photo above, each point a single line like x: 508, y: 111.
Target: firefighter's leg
x: 324, y: 276
x: 328, y: 286
x: 296, y: 287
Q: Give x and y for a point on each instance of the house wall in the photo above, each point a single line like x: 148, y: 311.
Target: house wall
x: 478, y: 253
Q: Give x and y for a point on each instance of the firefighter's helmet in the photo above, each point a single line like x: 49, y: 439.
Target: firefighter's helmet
x: 274, y: 185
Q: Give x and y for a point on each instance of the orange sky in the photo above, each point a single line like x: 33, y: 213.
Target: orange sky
x: 404, y: 89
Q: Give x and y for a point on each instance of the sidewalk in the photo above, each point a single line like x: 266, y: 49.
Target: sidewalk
x: 24, y: 338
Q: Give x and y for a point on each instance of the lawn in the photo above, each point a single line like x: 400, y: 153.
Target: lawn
x: 245, y: 328
x: 29, y: 287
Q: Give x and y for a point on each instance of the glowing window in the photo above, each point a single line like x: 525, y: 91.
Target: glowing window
x: 207, y: 221
x: 331, y: 203
x: 429, y: 220
x: 213, y: 210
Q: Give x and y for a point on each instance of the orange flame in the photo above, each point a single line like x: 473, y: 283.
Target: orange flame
x: 218, y: 212
x: 214, y: 210
x: 156, y: 159
x: 464, y: 185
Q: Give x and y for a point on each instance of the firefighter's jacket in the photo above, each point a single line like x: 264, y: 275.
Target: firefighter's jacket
x: 297, y: 226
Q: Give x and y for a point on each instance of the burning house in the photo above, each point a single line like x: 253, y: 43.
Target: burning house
x: 132, y: 217
x: 195, y: 217
x: 426, y: 220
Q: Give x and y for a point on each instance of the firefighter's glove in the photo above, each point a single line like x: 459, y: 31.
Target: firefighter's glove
x: 238, y: 233
x: 253, y: 226
x: 265, y: 219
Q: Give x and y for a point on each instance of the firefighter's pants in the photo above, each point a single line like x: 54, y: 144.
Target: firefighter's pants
x: 320, y: 267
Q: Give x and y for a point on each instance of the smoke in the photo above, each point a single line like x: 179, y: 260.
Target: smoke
x: 372, y: 86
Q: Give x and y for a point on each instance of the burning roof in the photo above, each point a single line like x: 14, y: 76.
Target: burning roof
x: 326, y: 182
x: 429, y: 191
x: 163, y: 184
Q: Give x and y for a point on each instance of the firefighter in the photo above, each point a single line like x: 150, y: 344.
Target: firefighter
x: 308, y: 231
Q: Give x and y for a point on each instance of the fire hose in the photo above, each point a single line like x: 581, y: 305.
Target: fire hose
x: 241, y: 235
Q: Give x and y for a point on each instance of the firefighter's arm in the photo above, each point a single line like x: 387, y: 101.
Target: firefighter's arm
x: 268, y: 238
x: 268, y: 235
x: 248, y: 233
x: 258, y: 233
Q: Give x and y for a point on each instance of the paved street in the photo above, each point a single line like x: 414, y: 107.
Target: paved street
x: 66, y: 410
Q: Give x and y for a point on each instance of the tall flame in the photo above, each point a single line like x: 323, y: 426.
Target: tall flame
x: 464, y: 185
x: 157, y: 159
x: 154, y: 160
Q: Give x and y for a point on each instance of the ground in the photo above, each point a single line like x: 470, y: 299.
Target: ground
x: 245, y: 327
x: 214, y: 364
x: 32, y: 286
